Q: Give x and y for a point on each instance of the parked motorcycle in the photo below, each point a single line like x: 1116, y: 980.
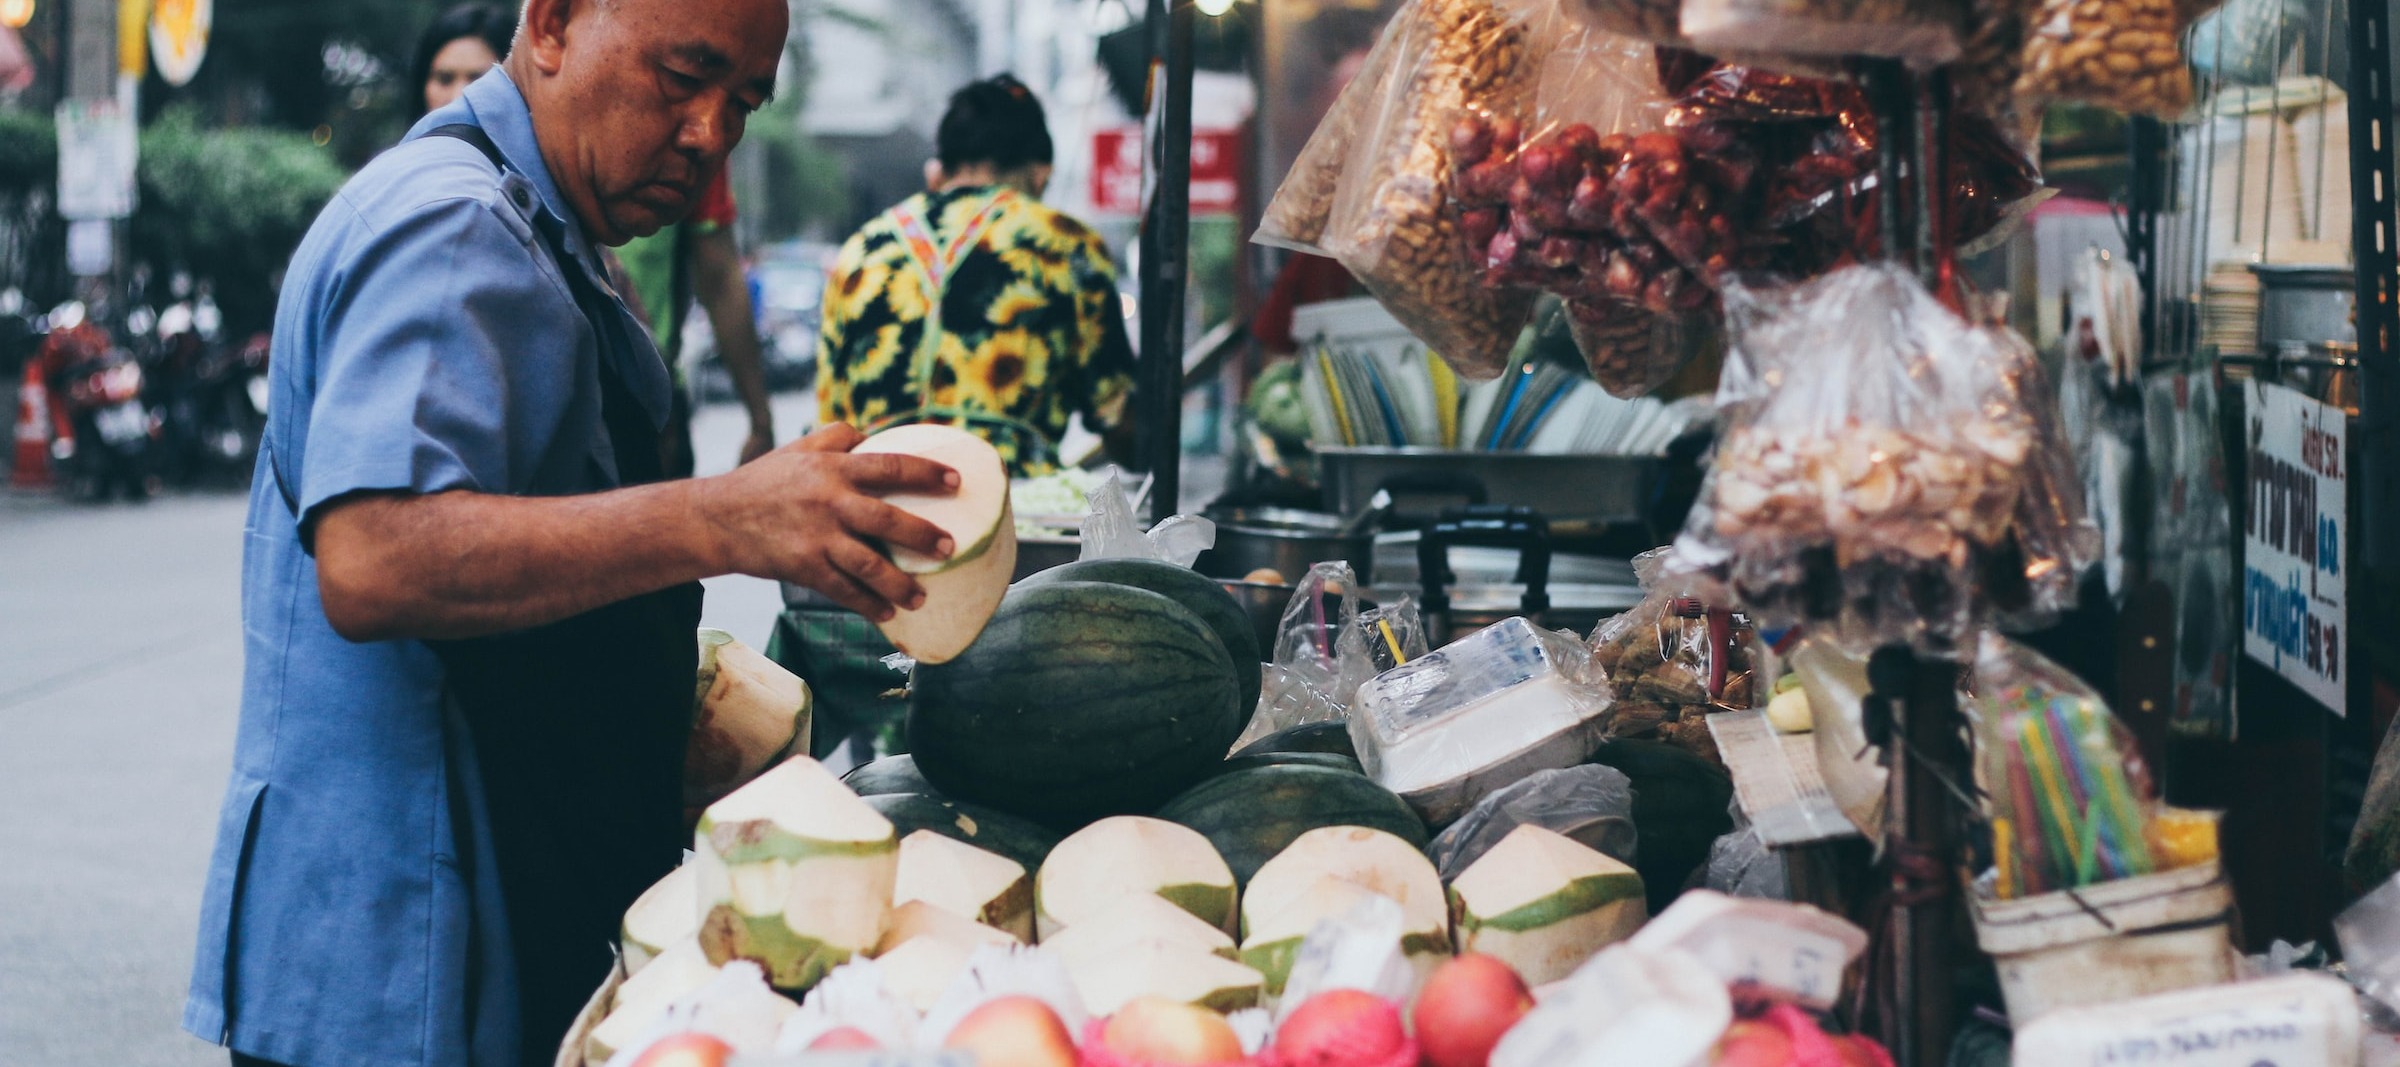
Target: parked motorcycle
x: 106, y: 443
x: 210, y: 397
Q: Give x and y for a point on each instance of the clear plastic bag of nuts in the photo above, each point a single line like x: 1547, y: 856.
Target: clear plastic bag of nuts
x: 1630, y: 350
x: 1873, y: 466
x: 1923, y: 32
x: 1295, y: 218
x: 2125, y: 55
x: 1659, y: 21
x: 1393, y: 221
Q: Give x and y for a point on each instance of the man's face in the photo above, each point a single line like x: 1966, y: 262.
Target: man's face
x: 643, y: 99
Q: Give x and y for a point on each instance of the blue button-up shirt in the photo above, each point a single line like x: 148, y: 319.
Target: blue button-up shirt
x: 426, y: 341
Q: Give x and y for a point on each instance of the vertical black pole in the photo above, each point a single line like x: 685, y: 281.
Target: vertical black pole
x: 2376, y: 249
x: 1166, y: 243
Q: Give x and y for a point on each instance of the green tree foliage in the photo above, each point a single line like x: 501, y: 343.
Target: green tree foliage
x: 229, y: 205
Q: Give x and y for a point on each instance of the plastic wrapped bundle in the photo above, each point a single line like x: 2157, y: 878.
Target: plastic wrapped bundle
x: 1874, y: 460
x: 2122, y: 55
x: 1668, y: 661
x: 1446, y: 730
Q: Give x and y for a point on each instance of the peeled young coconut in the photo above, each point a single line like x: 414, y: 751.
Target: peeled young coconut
x: 667, y: 912
x: 1287, y: 897
x: 958, y: 877
x: 1128, y: 855
x: 927, y: 948
x: 961, y: 592
x: 1158, y: 968
x: 1544, y: 904
x: 795, y: 873
x: 678, y: 971
x: 748, y: 713
x: 1132, y: 920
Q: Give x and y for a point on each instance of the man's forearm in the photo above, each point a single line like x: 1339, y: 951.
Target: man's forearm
x: 725, y: 297
x: 460, y: 564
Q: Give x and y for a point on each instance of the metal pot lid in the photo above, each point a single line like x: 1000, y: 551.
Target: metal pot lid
x: 2304, y: 275
x: 1275, y: 522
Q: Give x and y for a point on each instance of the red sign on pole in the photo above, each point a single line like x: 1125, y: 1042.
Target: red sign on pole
x: 1117, y: 171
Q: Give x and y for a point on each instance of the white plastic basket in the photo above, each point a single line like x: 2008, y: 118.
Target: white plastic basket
x: 2109, y: 942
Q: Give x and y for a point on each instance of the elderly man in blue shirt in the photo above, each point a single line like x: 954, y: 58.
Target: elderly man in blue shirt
x: 468, y: 598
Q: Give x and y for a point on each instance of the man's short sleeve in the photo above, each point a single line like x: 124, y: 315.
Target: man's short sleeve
x: 437, y: 368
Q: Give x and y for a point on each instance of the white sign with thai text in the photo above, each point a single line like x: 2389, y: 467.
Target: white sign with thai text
x: 2293, y: 618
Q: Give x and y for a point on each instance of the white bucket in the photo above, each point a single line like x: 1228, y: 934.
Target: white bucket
x: 2108, y: 942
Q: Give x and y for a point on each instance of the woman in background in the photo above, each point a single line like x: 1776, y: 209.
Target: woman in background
x: 458, y: 48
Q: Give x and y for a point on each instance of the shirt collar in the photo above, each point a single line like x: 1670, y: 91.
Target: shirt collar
x: 495, y: 104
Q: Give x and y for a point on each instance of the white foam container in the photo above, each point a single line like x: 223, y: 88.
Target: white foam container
x: 2110, y: 942
x: 2297, y: 1020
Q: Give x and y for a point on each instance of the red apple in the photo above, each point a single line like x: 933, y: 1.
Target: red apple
x: 686, y: 1049
x: 1155, y: 1030
x: 1754, y: 1043
x: 1344, y: 1028
x: 1014, y: 1032
x: 844, y: 1039
x: 1859, y: 1051
x: 1466, y: 1006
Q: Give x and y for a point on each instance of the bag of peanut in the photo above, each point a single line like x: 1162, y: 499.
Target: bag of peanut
x: 1295, y: 218
x: 2124, y: 55
x: 1393, y: 222
x: 1923, y: 32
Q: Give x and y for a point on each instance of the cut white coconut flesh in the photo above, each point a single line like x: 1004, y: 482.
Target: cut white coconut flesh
x: 917, y: 919
x: 677, y: 972
x: 971, y: 515
x: 665, y: 913
x: 958, y: 877
x: 1544, y: 904
x: 795, y: 873
x: 960, y: 592
x: 1128, y: 855
x: 1134, y: 919
x: 748, y: 714
x: 1165, y: 969
x: 739, y: 1009
x: 1288, y: 895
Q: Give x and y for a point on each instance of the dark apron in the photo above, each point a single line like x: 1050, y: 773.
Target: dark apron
x: 579, y: 730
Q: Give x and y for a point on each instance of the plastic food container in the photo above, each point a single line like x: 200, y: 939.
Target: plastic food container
x: 2110, y: 942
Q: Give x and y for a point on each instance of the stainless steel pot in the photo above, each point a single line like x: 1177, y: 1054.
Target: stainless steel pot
x: 1284, y: 540
x: 1477, y: 567
x: 1568, y: 489
x: 2305, y: 303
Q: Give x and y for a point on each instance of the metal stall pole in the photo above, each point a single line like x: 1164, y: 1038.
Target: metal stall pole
x: 2376, y: 250
x: 1166, y: 252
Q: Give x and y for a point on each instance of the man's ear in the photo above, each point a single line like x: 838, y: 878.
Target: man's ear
x: 542, y: 37
x: 934, y: 176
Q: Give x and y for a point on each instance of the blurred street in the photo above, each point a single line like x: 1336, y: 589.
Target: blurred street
x: 120, y: 672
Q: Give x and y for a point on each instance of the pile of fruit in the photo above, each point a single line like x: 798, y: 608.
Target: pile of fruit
x: 1071, y: 814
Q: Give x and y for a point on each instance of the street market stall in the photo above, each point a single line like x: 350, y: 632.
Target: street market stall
x: 1376, y: 791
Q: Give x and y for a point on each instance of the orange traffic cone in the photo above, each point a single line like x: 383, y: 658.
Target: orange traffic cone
x: 32, y: 468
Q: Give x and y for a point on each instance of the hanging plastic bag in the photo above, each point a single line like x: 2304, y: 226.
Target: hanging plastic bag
x: 1659, y: 21
x: 1923, y: 32
x: 2122, y: 55
x: 1669, y: 662
x: 1296, y: 217
x: 1592, y: 804
x: 1393, y: 222
x: 2036, y: 574
x: 1872, y: 459
x: 1110, y: 530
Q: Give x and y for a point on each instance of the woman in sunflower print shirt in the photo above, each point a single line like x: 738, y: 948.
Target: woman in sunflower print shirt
x: 973, y: 305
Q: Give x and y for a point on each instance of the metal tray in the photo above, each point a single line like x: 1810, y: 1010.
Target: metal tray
x: 1565, y: 489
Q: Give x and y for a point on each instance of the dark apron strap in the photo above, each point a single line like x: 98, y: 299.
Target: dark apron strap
x: 579, y: 730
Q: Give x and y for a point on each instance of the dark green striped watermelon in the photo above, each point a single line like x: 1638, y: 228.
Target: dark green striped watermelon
x: 1251, y: 815
x: 1080, y: 700
x: 1290, y: 759
x: 891, y: 774
x: 1201, y: 595
x: 997, y: 832
x: 1330, y: 736
x: 1680, y: 808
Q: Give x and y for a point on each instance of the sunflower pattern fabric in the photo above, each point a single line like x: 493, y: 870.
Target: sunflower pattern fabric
x: 1031, y: 331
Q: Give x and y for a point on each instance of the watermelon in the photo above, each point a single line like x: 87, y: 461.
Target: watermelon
x: 1081, y: 700
x: 1543, y: 904
x: 996, y: 832
x: 794, y: 873
x: 1680, y: 808
x: 1330, y: 736
x: 961, y: 591
x: 1289, y: 759
x: 1197, y: 593
x: 1129, y: 855
x: 891, y: 774
x: 1250, y: 815
x: 960, y: 878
